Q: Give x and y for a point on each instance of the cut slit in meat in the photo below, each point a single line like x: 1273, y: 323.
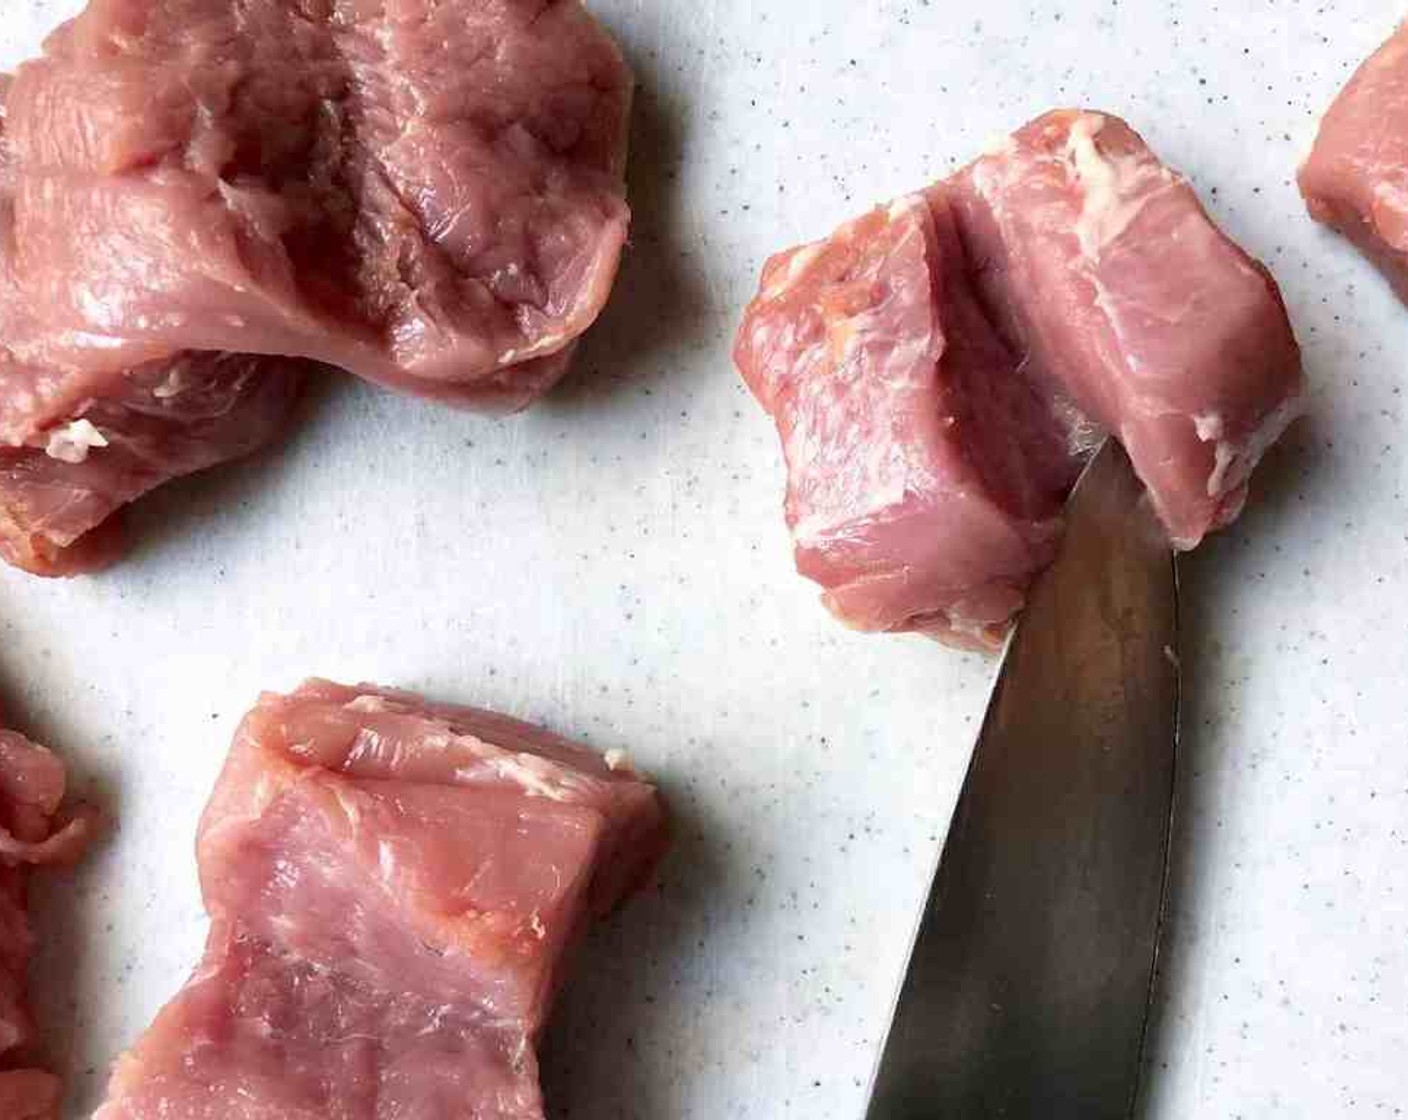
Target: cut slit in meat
x: 429, y: 195
x: 926, y: 473
x: 1356, y: 177
x: 32, y: 834
x: 393, y: 886
x: 940, y: 370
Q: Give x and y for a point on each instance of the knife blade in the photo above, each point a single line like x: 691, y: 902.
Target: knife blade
x: 1029, y: 981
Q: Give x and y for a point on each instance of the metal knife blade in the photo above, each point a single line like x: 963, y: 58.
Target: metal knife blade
x: 1028, y: 986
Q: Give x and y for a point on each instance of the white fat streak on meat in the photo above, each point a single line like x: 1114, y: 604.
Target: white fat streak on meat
x: 797, y: 265
x: 519, y: 1055
x: 73, y: 442
x: 350, y: 809
x: 371, y: 703
x: 617, y: 759
x: 386, y: 859
x: 1223, y: 457
x: 1208, y: 426
x: 966, y: 624
x: 537, y: 776
x: 1117, y: 188
x: 545, y: 346
x: 1390, y: 214
x: 1234, y: 460
x: 1116, y: 191
x: 173, y: 384
x: 1084, y: 436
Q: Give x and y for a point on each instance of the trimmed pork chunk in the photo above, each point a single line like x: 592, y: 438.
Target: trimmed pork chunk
x: 80, y: 440
x: 31, y: 788
x: 428, y: 193
x: 940, y: 370
x: 393, y: 887
x: 1356, y: 177
x: 926, y: 474
x: 1109, y: 274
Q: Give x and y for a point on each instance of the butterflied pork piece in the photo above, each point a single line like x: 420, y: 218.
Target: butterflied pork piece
x: 1356, y: 177
x: 940, y: 370
x: 80, y: 441
x: 926, y: 473
x: 393, y: 886
x: 428, y: 193
x: 1101, y: 264
x: 31, y: 789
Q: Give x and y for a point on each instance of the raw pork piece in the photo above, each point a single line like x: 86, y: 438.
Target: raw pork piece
x: 1356, y: 177
x: 926, y: 473
x: 428, y: 193
x: 1102, y: 265
x: 31, y: 789
x: 79, y: 441
x: 940, y: 370
x: 392, y: 886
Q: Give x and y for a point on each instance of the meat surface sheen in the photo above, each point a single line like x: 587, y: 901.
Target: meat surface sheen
x: 1108, y: 272
x: 32, y: 782
x: 81, y: 438
x: 201, y: 198
x: 1356, y: 177
x: 925, y: 472
x: 393, y: 886
x: 63, y: 482
x: 940, y: 370
x: 428, y: 193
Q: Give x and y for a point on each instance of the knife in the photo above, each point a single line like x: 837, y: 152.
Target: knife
x: 1029, y: 981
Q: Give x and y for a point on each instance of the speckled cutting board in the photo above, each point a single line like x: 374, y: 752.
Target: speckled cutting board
x: 614, y: 564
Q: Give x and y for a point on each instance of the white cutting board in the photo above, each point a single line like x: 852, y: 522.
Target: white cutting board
x: 615, y: 565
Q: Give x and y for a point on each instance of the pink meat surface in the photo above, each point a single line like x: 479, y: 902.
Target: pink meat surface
x: 63, y: 480
x: 925, y: 472
x: 82, y: 439
x: 1356, y: 177
x: 29, y: 1094
x: 393, y: 887
x: 428, y: 193
x: 1105, y: 268
x: 940, y: 369
x: 32, y: 784
x: 258, y: 1034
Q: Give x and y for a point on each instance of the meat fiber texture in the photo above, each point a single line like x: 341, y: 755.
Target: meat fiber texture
x: 199, y: 198
x: 32, y: 784
x: 925, y: 473
x: 81, y: 437
x: 941, y: 369
x: 1356, y: 177
x: 393, y: 886
x: 1161, y: 330
x: 429, y: 194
